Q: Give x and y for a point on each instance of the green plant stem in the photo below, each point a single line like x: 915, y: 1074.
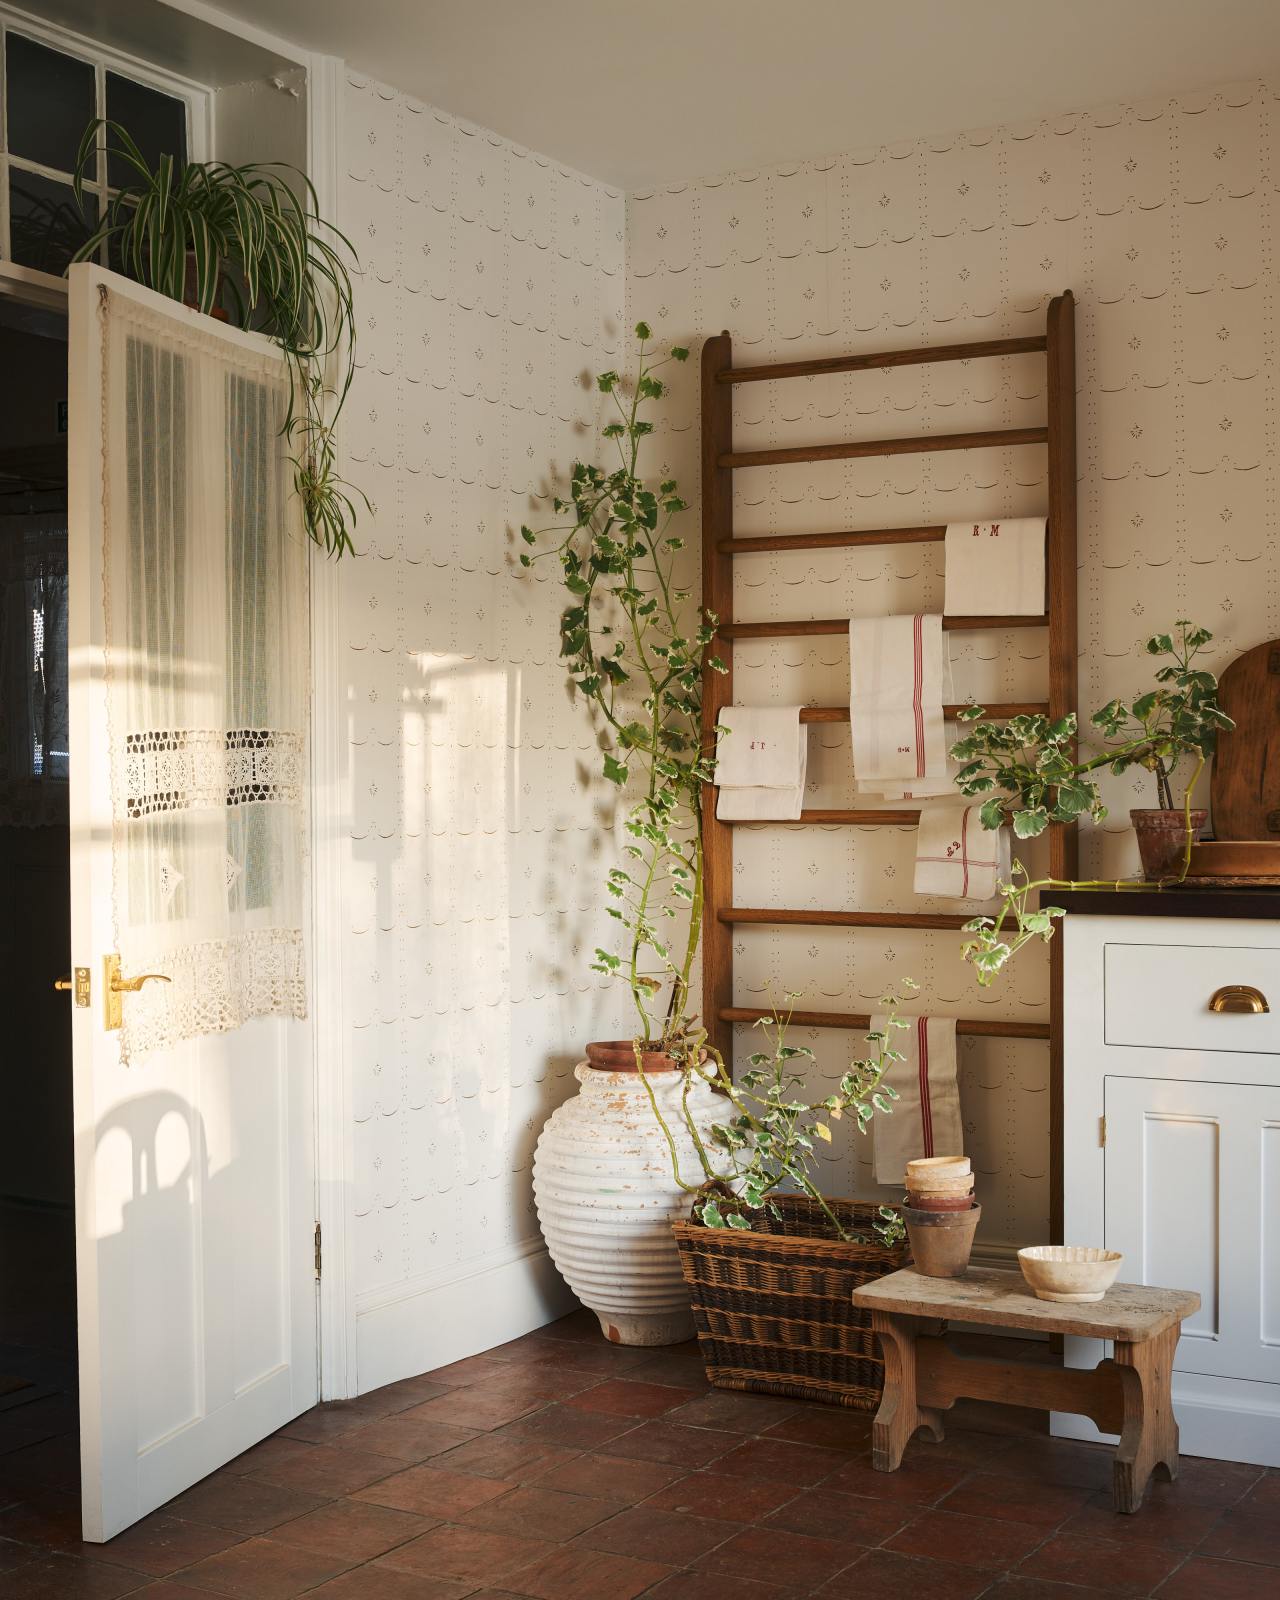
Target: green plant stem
x: 1014, y: 901
x: 768, y: 1127
x: 689, y: 1188
x: 1189, y: 840
x: 618, y: 548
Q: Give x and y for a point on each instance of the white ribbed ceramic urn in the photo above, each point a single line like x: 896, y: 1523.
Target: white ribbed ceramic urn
x: 606, y: 1198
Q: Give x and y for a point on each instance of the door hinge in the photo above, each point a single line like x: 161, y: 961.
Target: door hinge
x: 1102, y: 1141
x: 317, y: 1249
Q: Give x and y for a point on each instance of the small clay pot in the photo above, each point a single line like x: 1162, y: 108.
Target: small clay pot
x: 925, y: 1167
x: 941, y: 1241
x: 960, y: 1184
x: 619, y: 1055
x: 940, y: 1202
x: 1162, y: 839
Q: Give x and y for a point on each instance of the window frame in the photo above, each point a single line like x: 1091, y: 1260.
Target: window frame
x: 196, y: 98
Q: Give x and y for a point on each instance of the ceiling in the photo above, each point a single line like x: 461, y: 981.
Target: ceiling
x: 637, y: 92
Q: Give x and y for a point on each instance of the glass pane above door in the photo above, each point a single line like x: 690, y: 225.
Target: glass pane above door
x: 46, y: 226
x: 157, y: 124
x: 51, y: 101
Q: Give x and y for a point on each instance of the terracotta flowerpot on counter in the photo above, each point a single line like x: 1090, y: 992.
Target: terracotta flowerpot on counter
x: 941, y: 1241
x: 1162, y: 839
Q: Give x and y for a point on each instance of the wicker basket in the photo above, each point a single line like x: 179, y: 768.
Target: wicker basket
x: 774, y: 1307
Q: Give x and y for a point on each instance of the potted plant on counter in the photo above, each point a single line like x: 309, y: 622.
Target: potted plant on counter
x: 1030, y: 776
x: 1181, y: 718
x: 635, y: 645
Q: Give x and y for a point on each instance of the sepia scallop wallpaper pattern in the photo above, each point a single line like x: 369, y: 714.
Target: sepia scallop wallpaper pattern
x: 494, y: 283
x: 492, y: 288
x: 1162, y: 220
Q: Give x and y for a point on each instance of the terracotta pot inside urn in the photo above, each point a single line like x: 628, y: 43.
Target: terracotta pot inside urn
x: 619, y: 1055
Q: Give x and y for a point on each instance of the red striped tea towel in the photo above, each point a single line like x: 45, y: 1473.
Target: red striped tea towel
x: 957, y: 857
x: 897, y: 668
x: 925, y: 1119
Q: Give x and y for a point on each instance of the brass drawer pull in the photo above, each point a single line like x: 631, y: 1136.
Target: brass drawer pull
x: 1239, y: 997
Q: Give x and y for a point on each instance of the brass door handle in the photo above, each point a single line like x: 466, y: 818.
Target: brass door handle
x: 121, y: 985
x: 63, y: 985
x: 1239, y: 997
x: 115, y: 984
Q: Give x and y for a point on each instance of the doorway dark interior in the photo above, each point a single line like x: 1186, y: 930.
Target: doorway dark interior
x: 38, y: 1419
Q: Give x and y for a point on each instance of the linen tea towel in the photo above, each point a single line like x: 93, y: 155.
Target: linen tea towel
x: 897, y: 676
x: 762, y: 759
x: 957, y: 857
x: 995, y: 569
x: 926, y: 1115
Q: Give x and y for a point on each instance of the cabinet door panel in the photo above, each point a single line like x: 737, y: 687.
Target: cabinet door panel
x: 1192, y: 1194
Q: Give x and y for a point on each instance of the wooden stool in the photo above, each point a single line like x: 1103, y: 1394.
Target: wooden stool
x: 1129, y: 1395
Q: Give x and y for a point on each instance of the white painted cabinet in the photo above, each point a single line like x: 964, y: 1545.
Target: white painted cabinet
x: 1171, y: 1151
x: 1193, y: 1200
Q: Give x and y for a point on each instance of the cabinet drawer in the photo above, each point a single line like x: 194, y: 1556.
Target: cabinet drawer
x: 1157, y: 996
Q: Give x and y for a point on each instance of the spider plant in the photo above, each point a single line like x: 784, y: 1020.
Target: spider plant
x: 208, y: 233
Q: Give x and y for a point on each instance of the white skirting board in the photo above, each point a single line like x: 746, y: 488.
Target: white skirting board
x: 428, y: 1326
x: 1223, y: 1419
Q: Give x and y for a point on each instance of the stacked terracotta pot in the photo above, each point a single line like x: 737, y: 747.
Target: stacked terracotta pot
x: 940, y: 1183
x: 941, y: 1214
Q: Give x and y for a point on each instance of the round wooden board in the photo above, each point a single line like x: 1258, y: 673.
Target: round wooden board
x: 1226, y: 880
x: 1245, y: 784
x: 1236, y: 860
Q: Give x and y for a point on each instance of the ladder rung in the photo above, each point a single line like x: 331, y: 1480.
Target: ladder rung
x: 977, y: 1027
x: 917, y: 445
x: 860, y: 818
x: 872, y: 362
x: 835, y: 625
x: 931, y: 533
x: 847, y: 919
x: 997, y: 712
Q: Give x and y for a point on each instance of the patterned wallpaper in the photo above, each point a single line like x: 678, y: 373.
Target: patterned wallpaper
x: 493, y: 285
x: 1161, y: 218
x: 492, y: 289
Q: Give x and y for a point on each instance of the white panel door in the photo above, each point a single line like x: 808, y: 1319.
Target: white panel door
x: 194, y: 1169
x: 1193, y: 1201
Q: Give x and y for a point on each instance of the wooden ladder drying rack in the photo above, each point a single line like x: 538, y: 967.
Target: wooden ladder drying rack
x: 719, y: 549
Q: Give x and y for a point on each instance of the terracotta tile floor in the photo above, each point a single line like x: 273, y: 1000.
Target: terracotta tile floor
x: 561, y: 1468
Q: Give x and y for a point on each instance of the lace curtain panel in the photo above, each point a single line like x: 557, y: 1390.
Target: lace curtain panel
x: 207, y: 678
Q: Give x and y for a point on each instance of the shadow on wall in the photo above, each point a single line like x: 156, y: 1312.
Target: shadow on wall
x: 484, y: 911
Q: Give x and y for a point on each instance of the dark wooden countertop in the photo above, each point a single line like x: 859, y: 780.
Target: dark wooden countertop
x: 1245, y: 904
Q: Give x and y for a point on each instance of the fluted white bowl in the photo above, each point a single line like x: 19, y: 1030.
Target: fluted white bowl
x: 1069, y: 1272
